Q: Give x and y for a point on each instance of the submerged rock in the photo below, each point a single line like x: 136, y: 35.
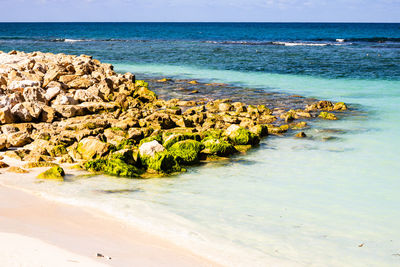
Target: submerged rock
x: 301, y: 135
x: 327, y: 116
x: 56, y: 173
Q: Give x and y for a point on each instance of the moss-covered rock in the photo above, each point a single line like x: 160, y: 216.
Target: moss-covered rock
x: 162, y: 163
x: 187, y: 151
x: 327, y: 116
x: 145, y: 95
x: 56, y: 173
x: 243, y: 148
x: 125, y: 144
x: 129, y: 156
x: 141, y: 83
x: 218, y: 147
x: 260, y: 130
x: 241, y: 136
x: 340, y: 106
x: 278, y: 129
x: 215, y: 133
x: 174, y: 138
x: 112, y: 166
x: 91, y: 148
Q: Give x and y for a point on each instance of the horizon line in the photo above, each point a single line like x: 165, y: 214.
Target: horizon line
x: 339, y: 22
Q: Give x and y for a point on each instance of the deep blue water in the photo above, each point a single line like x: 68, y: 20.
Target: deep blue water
x: 367, y: 51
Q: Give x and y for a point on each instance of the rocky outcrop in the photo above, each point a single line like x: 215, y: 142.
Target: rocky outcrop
x: 63, y: 108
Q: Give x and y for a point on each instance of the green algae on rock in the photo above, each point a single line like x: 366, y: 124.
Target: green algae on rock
x: 112, y: 166
x: 173, y: 138
x: 241, y: 136
x: 218, y: 147
x: 162, y: 163
x: 187, y: 151
x: 56, y: 173
x: 327, y: 116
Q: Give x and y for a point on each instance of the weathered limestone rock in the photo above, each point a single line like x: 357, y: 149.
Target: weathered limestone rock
x: 52, y: 92
x: 22, y: 84
x: 3, y: 142
x: 21, y: 112
x: 34, y: 94
x: 6, y: 115
x: 150, y: 148
x: 18, y: 139
x: 16, y: 170
x: 80, y: 82
x: 91, y: 148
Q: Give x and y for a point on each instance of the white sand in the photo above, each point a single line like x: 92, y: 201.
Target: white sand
x: 22, y: 251
x: 39, y: 232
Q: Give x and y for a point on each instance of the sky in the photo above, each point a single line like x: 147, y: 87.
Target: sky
x: 201, y: 10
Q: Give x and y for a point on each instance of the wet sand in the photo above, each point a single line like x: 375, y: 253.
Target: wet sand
x: 38, y: 232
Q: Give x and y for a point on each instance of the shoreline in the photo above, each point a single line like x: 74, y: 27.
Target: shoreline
x: 115, y: 125
x: 82, y: 233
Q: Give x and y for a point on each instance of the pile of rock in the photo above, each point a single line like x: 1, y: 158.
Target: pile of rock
x: 76, y: 109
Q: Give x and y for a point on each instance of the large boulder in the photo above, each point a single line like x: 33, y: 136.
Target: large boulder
x: 115, y: 167
x: 81, y: 82
x: 52, y: 75
x: 3, y: 142
x: 6, y: 115
x: 218, y: 147
x: 34, y: 94
x: 22, y: 84
x: 187, y: 151
x: 86, y: 96
x: 19, y: 139
x: 52, y: 92
x: 91, y: 148
x: 241, y: 136
x: 160, y: 119
x: 150, y: 148
x: 161, y: 163
x: 11, y: 100
x: 21, y: 112
x: 173, y: 138
x: 56, y: 173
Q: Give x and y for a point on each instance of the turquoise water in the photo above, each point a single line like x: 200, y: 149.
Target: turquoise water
x: 305, y: 202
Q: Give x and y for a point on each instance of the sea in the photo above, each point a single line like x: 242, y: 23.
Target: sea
x: 328, y: 200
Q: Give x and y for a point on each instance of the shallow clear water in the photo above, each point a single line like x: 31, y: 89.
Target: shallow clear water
x: 291, y: 201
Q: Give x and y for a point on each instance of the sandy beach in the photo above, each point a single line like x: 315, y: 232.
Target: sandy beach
x: 38, y: 232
